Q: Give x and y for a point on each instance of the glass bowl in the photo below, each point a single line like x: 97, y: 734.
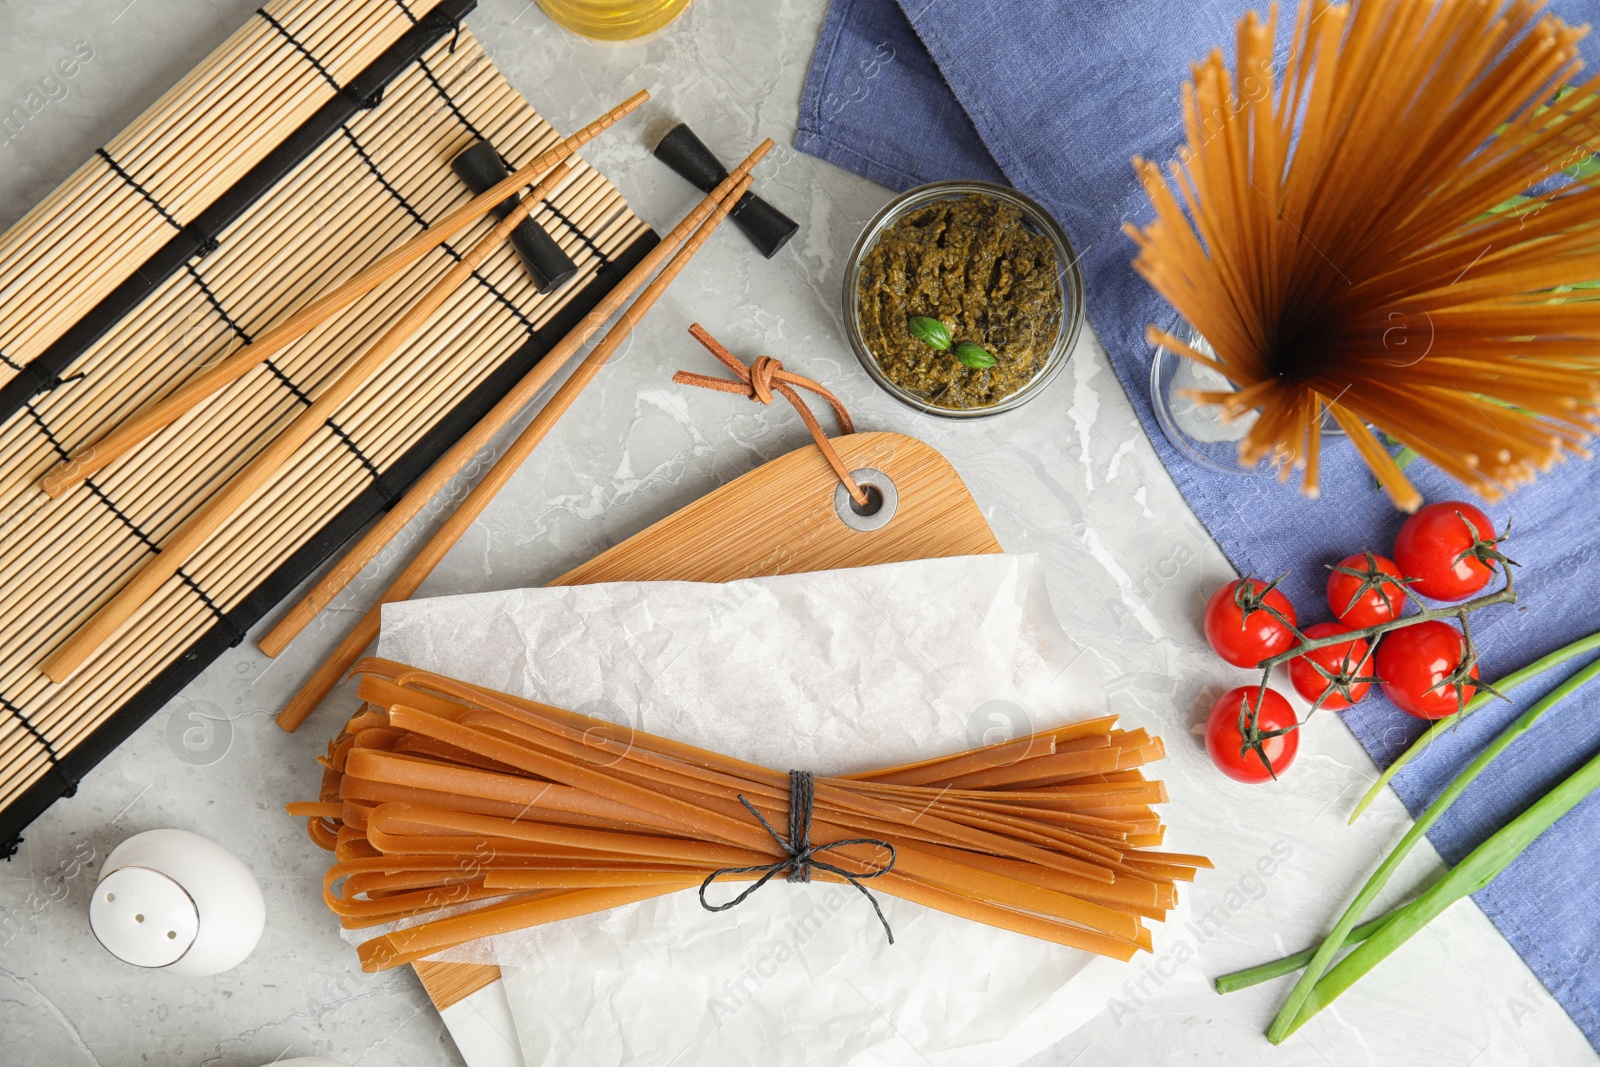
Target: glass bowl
x: 613, y: 20
x: 1037, y: 219
x: 1197, y: 430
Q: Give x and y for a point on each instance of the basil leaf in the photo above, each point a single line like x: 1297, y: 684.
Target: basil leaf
x: 975, y: 356
x: 930, y: 332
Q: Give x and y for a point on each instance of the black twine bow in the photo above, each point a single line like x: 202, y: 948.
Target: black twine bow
x: 800, y: 853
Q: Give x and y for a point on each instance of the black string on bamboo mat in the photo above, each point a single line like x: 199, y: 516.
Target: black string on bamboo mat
x: 143, y: 538
x: 216, y: 304
x: 133, y: 184
x: 417, y: 217
x: 365, y: 103
x: 204, y: 243
x: 572, y: 227
x: 288, y: 383
x: 406, y: 11
x: 43, y: 380
x: 378, y: 175
x: 494, y: 291
x: 302, y: 49
x: 183, y: 575
x: 44, y: 428
x: 384, y: 488
x: 228, y: 624
x: 149, y: 543
x: 69, y: 784
x: 27, y: 724
x: 455, y: 109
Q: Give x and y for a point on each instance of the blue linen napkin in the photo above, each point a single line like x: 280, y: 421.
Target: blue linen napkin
x: 1054, y: 98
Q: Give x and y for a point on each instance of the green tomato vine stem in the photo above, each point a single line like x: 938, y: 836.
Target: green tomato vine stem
x: 1506, y: 594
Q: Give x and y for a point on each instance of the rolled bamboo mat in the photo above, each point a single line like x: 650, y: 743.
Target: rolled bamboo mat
x: 198, y: 139
x: 372, y: 182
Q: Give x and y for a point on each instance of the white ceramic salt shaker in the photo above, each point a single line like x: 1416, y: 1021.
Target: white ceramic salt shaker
x: 177, y: 901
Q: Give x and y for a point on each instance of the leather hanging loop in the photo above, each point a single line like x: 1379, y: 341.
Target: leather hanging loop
x: 766, y: 376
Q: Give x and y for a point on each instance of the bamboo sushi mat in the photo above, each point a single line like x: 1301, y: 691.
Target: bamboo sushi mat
x: 265, y: 177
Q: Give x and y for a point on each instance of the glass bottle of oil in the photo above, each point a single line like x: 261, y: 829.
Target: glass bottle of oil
x: 613, y: 20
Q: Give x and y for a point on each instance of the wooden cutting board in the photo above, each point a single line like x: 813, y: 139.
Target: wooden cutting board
x: 779, y: 519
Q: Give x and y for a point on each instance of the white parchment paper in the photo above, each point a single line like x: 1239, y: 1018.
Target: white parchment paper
x: 832, y: 672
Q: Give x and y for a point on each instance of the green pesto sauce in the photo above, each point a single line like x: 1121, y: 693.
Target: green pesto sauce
x: 974, y: 265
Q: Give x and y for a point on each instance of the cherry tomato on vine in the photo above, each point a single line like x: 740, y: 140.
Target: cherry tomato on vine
x: 1449, y: 548
x: 1341, y: 665
x: 1251, y: 744
x: 1419, y: 666
x: 1240, y: 627
x: 1367, y: 596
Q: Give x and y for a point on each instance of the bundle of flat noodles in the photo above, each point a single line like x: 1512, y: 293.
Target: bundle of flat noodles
x: 457, y: 813
x: 1356, y: 240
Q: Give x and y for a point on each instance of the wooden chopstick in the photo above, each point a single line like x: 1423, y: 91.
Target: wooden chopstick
x: 200, y: 526
x: 91, y: 458
x: 382, y: 532
x: 349, y: 650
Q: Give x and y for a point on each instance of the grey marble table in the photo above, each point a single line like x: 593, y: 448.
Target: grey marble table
x: 1070, y: 477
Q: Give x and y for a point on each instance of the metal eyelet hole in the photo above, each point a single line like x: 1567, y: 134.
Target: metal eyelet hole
x: 138, y: 918
x: 172, y: 935
x: 882, y: 501
x: 874, y: 502
x: 110, y: 897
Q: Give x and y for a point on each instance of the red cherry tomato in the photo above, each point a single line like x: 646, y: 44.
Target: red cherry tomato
x: 1239, y: 627
x: 1341, y: 662
x: 1416, y: 665
x: 1252, y: 750
x: 1365, y: 598
x: 1436, y: 547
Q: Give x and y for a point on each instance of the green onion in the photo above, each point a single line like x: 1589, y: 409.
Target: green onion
x: 1290, y: 1015
x: 1510, y: 681
x: 1465, y: 878
x: 1266, y: 972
